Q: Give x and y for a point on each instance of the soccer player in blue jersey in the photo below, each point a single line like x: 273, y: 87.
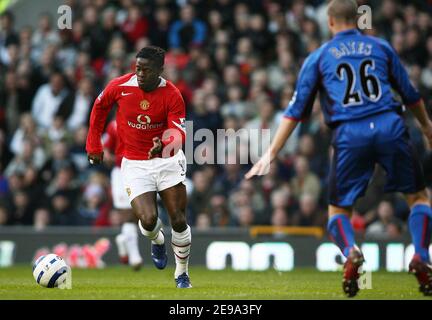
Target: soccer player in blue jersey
x: 355, y: 75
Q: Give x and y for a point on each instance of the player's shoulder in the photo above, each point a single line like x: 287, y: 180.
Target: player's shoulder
x: 316, y: 55
x: 382, y: 43
x: 124, y: 79
x: 169, y: 87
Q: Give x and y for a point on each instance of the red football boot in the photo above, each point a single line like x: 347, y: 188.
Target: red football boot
x: 423, y: 273
x: 351, y: 272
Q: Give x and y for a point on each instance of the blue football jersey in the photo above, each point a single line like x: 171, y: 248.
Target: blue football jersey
x: 355, y: 75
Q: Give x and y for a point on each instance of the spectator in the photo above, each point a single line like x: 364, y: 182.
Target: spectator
x: 8, y: 35
x: 75, y: 109
x: 77, y: 150
x: 308, y: 214
x: 93, y: 207
x: 42, y: 219
x: 30, y: 156
x: 245, y: 217
x: 219, y: 213
x: 387, y: 225
x: 236, y: 105
x: 4, y: 216
x: 304, y: 180
x: 187, y: 31
x: 279, y: 218
x: 43, y: 36
x: 160, y: 27
x: 200, y: 197
x: 48, y: 99
x: 136, y: 25
x: 203, y: 222
x: 61, y: 205
x: 60, y: 159
x: 22, y: 213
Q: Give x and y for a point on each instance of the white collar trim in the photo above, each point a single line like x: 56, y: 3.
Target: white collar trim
x: 133, y: 82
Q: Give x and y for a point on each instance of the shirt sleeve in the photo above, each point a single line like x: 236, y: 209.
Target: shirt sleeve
x: 301, y: 104
x: 98, y: 116
x: 175, y: 134
x: 399, y: 78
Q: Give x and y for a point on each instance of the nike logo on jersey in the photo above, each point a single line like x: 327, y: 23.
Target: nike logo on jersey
x: 126, y: 94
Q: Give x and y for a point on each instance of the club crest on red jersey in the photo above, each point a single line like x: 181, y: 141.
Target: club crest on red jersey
x: 144, y: 104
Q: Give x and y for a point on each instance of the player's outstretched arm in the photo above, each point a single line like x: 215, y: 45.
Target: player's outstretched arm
x: 420, y: 113
x: 284, y: 131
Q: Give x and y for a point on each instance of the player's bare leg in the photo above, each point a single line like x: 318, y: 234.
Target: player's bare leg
x: 174, y: 200
x: 420, y: 225
x: 342, y: 233
x: 145, y: 209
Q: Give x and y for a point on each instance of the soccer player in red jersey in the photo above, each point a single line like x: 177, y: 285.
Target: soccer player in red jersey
x: 127, y: 240
x: 150, y: 122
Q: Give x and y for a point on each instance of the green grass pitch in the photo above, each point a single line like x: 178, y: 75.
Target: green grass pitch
x: 120, y: 282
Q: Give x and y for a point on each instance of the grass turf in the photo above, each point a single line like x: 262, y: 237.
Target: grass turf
x: 122, y: 283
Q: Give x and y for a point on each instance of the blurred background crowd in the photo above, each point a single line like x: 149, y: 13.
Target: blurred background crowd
x: 235, y: 63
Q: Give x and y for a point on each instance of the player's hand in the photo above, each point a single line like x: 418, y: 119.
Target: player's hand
x: 260, y: 168
x: 95, y: 158
x: 157, y: 147
x: 427, y: 131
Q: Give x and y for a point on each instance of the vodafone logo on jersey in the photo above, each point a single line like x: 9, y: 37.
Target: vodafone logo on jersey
x: 143, y: 119
x: 144, y: 123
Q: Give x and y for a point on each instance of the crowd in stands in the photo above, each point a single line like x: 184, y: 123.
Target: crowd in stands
x: 236, y: 65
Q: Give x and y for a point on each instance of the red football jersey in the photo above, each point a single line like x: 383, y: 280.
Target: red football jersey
x: 141, y: 116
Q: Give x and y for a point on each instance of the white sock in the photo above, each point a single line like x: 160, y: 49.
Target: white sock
x: 156, y: 235
x: 130, y: 231
x: 121, y: 245
x: 181, y: 243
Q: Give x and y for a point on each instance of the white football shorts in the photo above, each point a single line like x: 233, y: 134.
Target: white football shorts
x: 141, y: 176
x: 118, y: 190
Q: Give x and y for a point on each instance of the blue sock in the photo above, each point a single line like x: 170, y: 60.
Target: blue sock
x: 341, y: 232
x: 420, y: 225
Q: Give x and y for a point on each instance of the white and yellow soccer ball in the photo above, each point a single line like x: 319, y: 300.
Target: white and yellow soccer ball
x: 50, y: 271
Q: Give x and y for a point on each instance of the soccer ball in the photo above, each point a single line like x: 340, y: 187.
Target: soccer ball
x: 50, y: 270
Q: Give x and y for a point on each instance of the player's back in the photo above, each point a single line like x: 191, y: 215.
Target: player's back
x: 356, y: 76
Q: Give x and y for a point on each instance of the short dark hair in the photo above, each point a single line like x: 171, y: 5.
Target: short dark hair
x: 8, y: 14
x: 153, y: 53
x: 344, y: 10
